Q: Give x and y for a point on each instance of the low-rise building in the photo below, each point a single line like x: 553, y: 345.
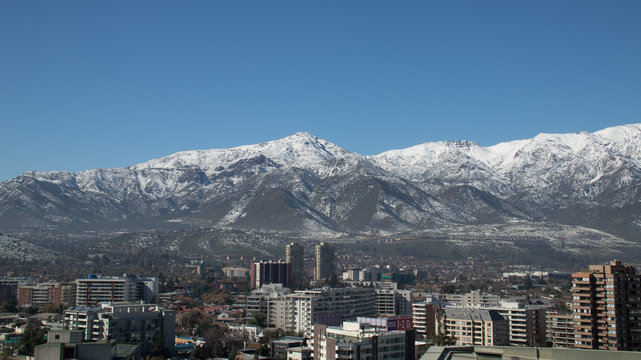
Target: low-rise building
x: 476, y: 326
x: 125, y: 323
x: 66, y: 344
x: 354, y: 340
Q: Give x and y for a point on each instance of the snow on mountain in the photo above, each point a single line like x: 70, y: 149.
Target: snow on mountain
x: 546, y: 162
x: 303, y: 183
x: 301, y: 149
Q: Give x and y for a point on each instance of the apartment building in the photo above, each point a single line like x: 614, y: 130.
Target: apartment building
x: 300, y: 310
x: 526, y: 323
x: 560, y: 330
x: 424, y: 317
x: 43, y: 293
x: 606, y: 307
x: 393, y: 302
x: 354, y: 340
x: 329, y: 306
x: 476, y: 326
x: 472, y: 300
x: 97, y: 288
x: 125, y: 323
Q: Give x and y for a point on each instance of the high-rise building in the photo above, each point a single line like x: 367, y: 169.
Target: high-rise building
x: 325, y: 266
x: 270, y: 273
x: 607, y: 308
x: 295, y: 255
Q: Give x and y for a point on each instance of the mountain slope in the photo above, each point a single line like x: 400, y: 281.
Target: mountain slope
x: 306, y: 185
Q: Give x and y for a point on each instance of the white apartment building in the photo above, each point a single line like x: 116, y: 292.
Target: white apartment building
x: 300, y: 310
x: 391, y: 302
x: 526, y: 323
x: 329, y: 306
x: 354, y: 340
x: 259, y: 299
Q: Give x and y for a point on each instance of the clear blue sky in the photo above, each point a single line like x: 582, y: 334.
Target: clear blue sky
x: 87, y: 84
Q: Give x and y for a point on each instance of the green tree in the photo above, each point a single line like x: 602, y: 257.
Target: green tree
x: 31, y: 337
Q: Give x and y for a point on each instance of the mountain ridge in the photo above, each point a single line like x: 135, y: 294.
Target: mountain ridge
x: 307, y: 185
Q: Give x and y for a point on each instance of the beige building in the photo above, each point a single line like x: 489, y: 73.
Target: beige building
x: 526, y: 323
x: 476, y: 326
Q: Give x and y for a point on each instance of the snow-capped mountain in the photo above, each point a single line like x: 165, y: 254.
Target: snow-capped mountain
x: 305, y: 184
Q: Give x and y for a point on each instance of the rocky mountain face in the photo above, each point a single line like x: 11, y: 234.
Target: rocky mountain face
x: 306, y: 185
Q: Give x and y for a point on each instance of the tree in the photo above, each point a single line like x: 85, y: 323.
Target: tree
x: 31, y: 337
x: 195, y: 323
x: 7, y: 352
x: 259, y: 319
x: 158, y: 346
x: 198, y: 353
x: 443, y: 338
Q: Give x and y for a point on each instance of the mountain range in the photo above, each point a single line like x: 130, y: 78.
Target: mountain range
x: 307, y: 186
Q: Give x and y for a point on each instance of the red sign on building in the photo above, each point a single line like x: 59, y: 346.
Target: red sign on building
x: 403, y: 322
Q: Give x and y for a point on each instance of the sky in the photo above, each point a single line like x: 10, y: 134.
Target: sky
x: 99, y: 84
